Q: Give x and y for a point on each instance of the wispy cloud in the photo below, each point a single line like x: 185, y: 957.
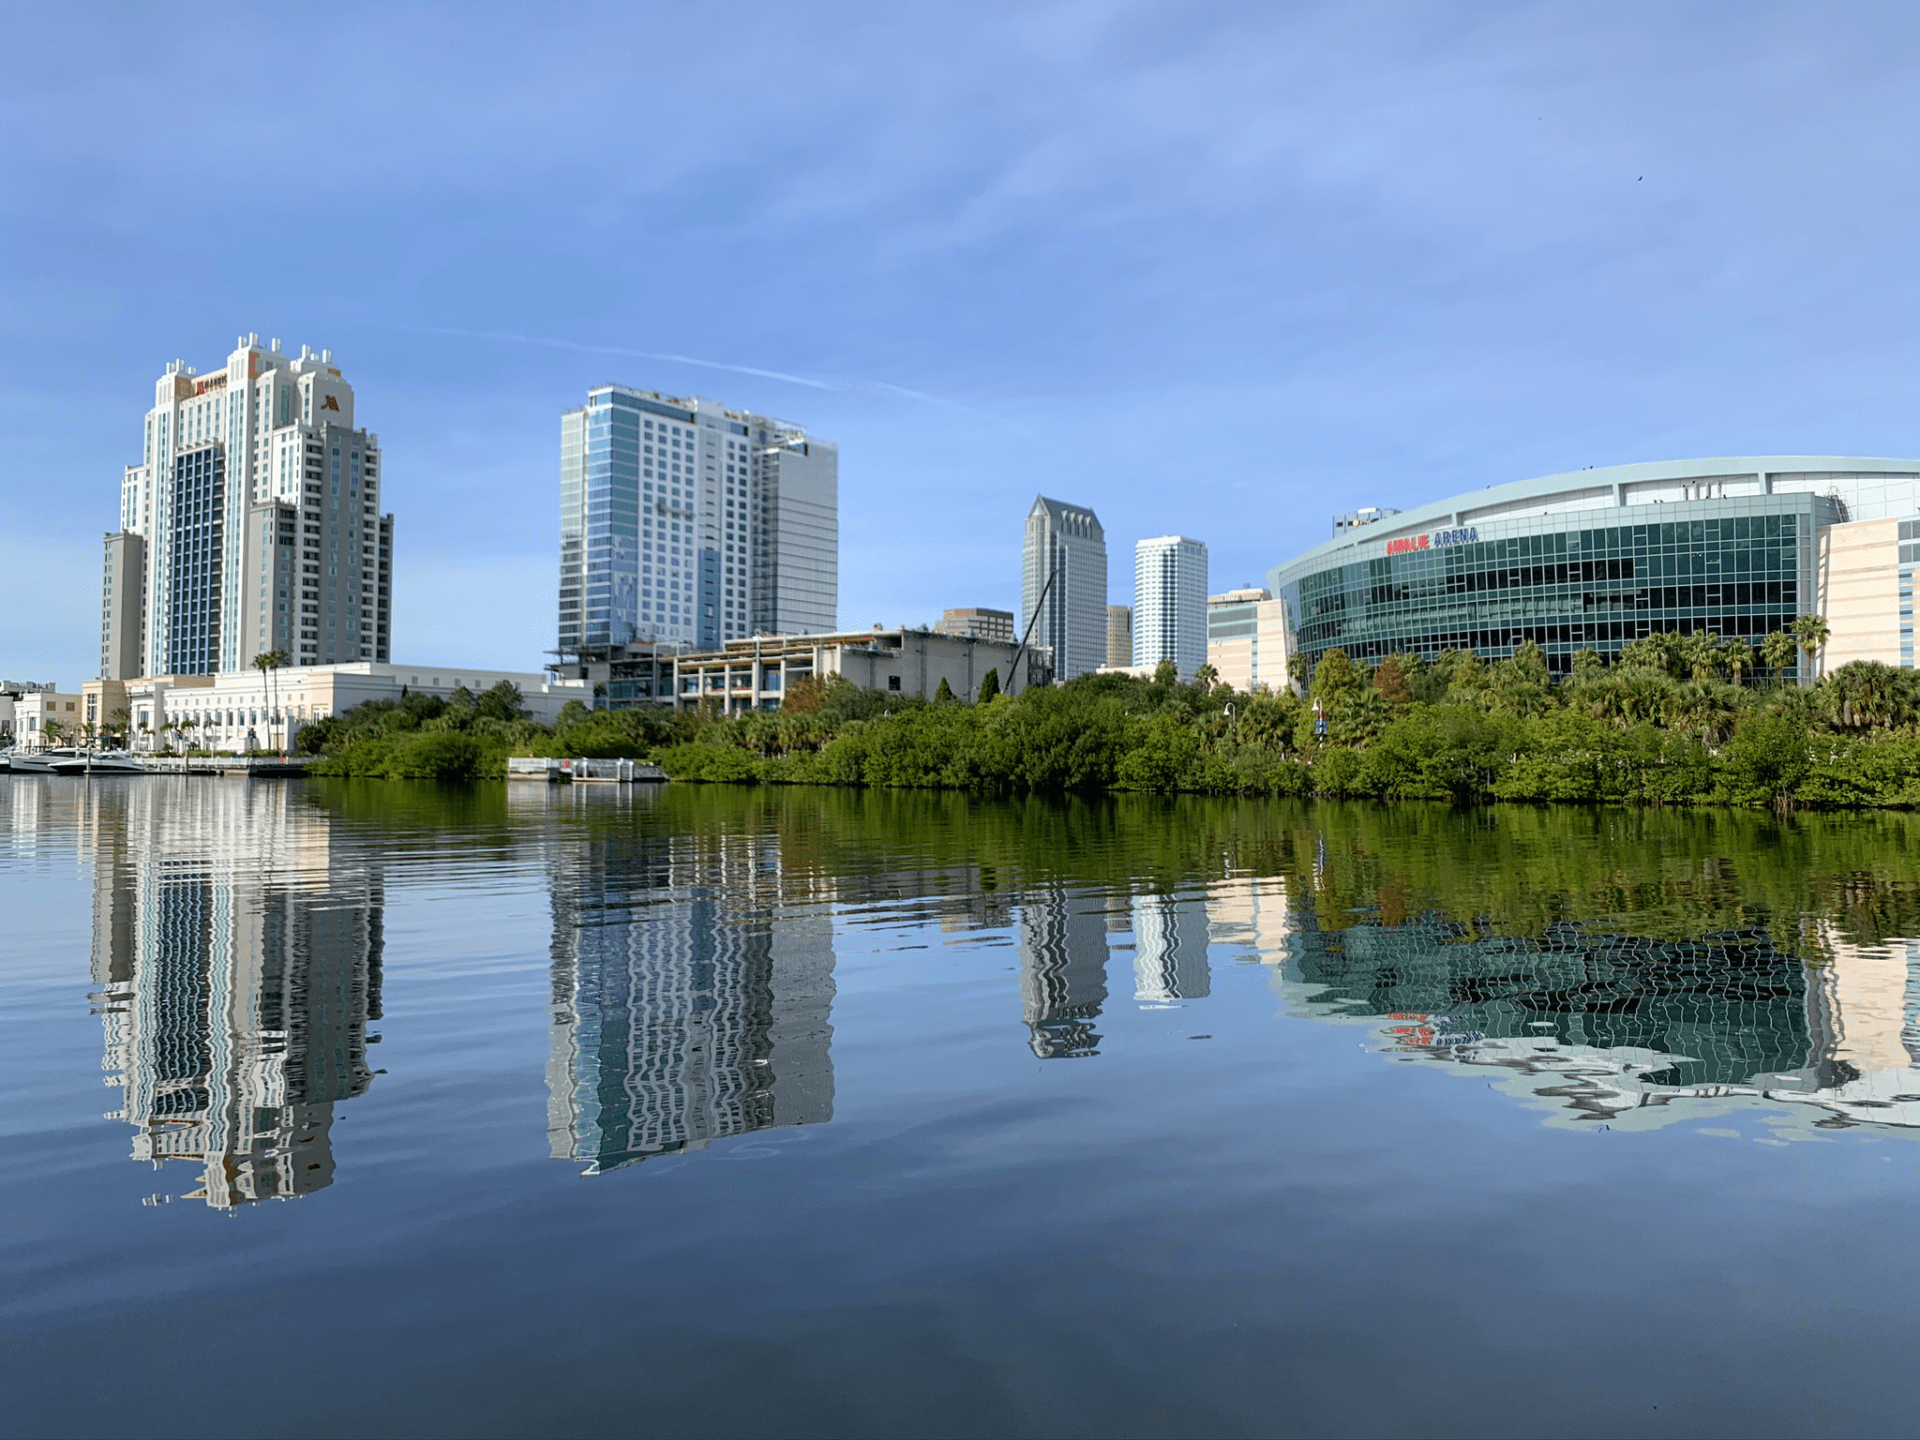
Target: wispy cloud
x: 838, y: 383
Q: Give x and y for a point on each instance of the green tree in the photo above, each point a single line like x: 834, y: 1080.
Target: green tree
x: 1166, y: 675
x: 990, y: 685
x: 1205, y: 678
x: 944, y: 695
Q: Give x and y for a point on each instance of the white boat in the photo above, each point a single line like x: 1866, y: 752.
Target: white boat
x: 41, y: 762
x: 102, y: 762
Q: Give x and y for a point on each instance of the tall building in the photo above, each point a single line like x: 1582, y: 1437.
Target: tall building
x: 1064, y: 584
x: 251, y: 523
x: 1247, y: 639
x: 1119, y: 636
x: 980, y: 624
x: 686, y: 522
x: 1170, y: 603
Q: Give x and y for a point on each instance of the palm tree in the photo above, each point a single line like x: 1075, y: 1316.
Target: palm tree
x: 267, y: 662
x: 1810, y: 633
x: 1739, y: 657
x: 1776, y: 652
x: 1204, y: 678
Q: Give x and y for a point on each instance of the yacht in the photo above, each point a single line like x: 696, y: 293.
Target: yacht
x: 41, y: 762
x: 101, y: 762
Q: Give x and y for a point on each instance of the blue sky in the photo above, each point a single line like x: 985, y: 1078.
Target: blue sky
x: 1218, y: 270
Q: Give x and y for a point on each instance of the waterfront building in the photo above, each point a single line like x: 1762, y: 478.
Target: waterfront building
x: 620, y: 677
x: 757, y: 673
x: 44, y: 717
x: 252, y: 522
x: 686, y: 523
x: 692, y: 997
x: 248, y: 710
x: 234, y: 995
x: 1595, y: 559
x: 1064, y: 585
x: 1119, y: 637
x: 981, y: 624
x: 1247, y: 639
x: 11, y: 691
x: 1170, y: 603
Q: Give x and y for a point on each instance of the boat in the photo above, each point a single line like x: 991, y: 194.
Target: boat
x: 103, y: 762
x: 41, y: 762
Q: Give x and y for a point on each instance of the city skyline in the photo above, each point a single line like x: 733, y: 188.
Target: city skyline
x: 988, y: 259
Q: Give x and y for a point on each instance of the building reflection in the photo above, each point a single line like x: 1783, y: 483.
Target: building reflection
x: 1632, y: 1031
x: 1170, y: 938
x: 1063, y: 969
x: 237, y: 965
x: 692, y: 996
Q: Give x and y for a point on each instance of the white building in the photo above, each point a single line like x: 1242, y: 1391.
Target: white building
x: 35, y: 710
x: 1170, y: 603
x: 686, y: 522
x: 251, y: 523
x: 247, y: 710
x: 1064, y: 584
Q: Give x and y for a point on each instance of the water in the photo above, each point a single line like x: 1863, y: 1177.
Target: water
x: 559, y: 1111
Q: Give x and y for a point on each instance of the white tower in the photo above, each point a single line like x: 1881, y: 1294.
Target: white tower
x: 251, y: 523
x: 1170, y: 603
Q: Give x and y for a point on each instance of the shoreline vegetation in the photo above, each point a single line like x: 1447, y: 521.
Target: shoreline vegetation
x: 1675, y: 720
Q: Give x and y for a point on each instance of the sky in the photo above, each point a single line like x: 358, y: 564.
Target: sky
x: 1212, y: 270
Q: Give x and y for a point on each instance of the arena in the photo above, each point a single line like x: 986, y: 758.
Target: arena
x: 1596, y: 558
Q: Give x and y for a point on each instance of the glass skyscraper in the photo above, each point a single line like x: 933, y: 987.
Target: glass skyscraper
x: 687, y: 523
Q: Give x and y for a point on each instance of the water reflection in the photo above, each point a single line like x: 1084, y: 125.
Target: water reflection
x: 1628, y: 1030
x: 692, y: 996
x: 1063, y: 969
x: 237, y: 964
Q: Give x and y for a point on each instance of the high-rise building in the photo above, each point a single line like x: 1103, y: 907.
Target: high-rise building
x: 1119, y: 636
x: 1247, y: 639
x: 1064, y: 584
x: 251, y: 523
x: 1170, y: 603
x: 686, y: 522
x: 980, y: 624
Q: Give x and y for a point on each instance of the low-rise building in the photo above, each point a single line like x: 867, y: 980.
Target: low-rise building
x: 10, y: 692
x: 1247, y: 639
x: 757, y: 673
x: 45, y: 717
x: 620, y: 677
x: 248, y: 710
x: 980, y: 623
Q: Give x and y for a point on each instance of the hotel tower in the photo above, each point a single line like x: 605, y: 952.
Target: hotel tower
x: 251, y: 523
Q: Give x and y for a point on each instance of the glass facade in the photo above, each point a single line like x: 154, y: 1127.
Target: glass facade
x: 1569, y: 582
x: 198, y: 519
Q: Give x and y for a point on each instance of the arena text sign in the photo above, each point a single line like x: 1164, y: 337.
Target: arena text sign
x: 1434, y: 540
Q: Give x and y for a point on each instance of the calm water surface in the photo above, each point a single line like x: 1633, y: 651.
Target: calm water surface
x: 389, y: 1110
